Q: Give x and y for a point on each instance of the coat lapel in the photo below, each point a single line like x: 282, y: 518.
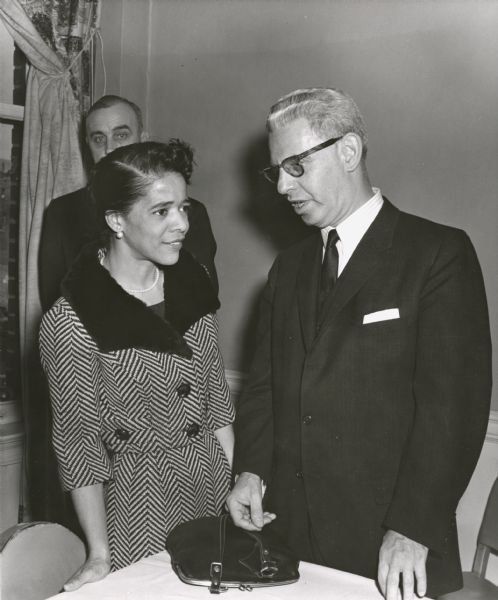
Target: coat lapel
x: 117, y: 320
x: 363, y: 263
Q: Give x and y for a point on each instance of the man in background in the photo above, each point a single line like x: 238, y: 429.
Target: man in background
x: 368, y: 397
x: 70, y: 221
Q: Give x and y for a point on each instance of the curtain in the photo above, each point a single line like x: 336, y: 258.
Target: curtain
x: 55, y: 36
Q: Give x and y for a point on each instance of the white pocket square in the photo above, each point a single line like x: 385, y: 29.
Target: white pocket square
x: 381, y: 315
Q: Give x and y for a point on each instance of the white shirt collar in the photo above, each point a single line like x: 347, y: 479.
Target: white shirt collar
x: 354, y: 227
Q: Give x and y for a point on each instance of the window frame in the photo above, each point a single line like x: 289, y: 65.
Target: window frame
x: 11, y: 112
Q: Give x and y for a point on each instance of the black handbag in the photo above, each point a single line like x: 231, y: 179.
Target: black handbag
x: 213, y: 552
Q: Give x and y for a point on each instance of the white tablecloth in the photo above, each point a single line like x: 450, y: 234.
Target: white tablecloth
x: 153, y: 579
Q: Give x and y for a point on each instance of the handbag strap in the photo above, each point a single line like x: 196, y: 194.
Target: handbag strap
x: 216, y: 570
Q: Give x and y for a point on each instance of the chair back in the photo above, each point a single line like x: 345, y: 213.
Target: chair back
x: 36, y: 559
x: 487, y: 539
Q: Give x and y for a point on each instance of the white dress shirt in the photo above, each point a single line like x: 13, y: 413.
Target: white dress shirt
x: 353, y: 228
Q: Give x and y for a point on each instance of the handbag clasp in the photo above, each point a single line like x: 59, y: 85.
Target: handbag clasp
x: 268, y: 569
x: 215, y: 573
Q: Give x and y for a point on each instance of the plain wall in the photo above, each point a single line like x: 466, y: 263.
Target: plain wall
x: 423, y: 74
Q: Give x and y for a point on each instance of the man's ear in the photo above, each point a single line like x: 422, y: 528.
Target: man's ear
x: 351, y: 151
x: 144, y: 136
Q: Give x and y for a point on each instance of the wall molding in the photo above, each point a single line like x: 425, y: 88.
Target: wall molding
x: 492, y: 433
x: 236, y: 381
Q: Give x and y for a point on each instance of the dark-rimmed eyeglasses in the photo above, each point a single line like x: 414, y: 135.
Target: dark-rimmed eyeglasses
x: 292, y: 164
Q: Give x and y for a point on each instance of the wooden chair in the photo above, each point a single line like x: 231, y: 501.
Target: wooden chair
x: 36, y: 559
x: 475, y: 584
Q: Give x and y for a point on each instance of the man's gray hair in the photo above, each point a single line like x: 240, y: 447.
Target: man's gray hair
x: 329, y: 112
x: 112, y: 100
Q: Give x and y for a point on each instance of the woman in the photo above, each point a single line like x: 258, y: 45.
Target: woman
x: 142, y: 420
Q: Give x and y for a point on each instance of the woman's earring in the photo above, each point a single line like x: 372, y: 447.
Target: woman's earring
x: 119, y: 234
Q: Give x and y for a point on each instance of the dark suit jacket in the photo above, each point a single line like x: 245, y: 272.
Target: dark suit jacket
x: 378, y: 426
x: 70, y: 222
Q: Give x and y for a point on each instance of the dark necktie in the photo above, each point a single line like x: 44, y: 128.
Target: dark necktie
x: 328, y: 275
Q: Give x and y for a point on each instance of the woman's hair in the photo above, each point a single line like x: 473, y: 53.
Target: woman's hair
x: 125, y: 174
x: 328, y: 111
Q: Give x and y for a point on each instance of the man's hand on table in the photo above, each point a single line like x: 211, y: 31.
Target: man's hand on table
x: 92, y: 570
x: 401, y: 558
x: 245, y: 503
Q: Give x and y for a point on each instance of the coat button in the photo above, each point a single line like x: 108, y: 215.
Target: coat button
x: 307, y: 419
x: 192, y: 430
x: 183, y: 389
x: 122, y: 434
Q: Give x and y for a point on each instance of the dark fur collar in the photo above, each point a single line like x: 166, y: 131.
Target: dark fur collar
x: 117, y: 320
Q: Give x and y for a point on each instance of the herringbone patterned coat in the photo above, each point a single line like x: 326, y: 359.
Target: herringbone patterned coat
x: 136, y: 400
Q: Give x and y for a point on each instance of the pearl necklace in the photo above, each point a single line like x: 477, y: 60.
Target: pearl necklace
x: 144, y: 290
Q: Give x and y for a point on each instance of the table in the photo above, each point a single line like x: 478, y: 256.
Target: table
x: 152, y: 578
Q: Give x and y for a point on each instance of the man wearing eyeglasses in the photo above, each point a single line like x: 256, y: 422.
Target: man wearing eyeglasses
x: 368, y: 397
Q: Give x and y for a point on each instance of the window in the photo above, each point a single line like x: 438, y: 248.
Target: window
x: 12, y: 93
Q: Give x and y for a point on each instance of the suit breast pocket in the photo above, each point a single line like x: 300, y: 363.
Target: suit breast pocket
x: 389, y: 325
x: 382, y: 340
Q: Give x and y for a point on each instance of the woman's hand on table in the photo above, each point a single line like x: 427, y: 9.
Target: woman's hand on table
x: 90, y: 508
x: 92, y: 570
